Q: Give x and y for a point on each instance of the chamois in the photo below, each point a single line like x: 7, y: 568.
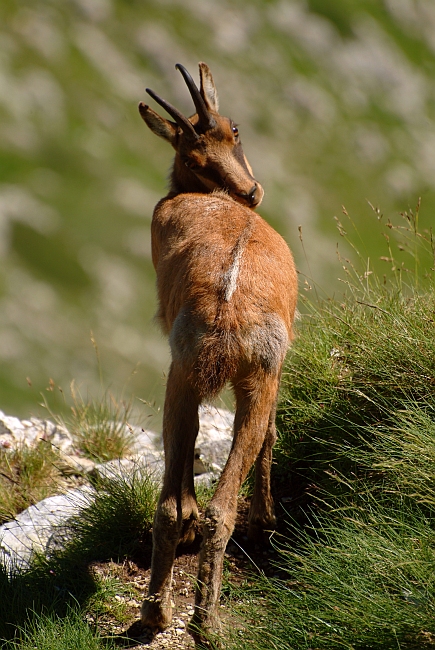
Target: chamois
x: 227, y: 291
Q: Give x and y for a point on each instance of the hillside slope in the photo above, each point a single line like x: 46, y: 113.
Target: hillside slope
x: 335, y: 103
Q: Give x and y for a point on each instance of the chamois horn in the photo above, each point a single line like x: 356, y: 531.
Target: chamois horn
x: 179, y: 118
x: 205, y: 119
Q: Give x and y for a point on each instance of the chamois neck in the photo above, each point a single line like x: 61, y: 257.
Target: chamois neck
x: 183, y: 180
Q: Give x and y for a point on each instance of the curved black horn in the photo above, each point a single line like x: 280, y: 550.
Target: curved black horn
x: 205, y: 119
x: 182, y: 121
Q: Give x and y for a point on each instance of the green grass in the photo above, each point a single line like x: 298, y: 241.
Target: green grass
x: 100, y: 427
x: 365, y: 580
x: 62, y: 598
x: 50, y: 632
x: 101, y: 431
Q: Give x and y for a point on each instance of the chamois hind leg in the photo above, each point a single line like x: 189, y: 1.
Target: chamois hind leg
x: 180, y: 428
x: 189, y: 506
x: 261, y: 513
x: 255, y: 395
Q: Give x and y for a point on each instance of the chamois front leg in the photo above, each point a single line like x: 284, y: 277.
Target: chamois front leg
x: 250, y: 425
x: 177, y: 499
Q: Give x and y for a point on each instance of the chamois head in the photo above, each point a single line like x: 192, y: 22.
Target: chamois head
x: 209, y: 152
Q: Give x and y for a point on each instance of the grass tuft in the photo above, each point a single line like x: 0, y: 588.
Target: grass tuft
x: 118, y: 518
x: 27, y: 475
x: 100, y: 428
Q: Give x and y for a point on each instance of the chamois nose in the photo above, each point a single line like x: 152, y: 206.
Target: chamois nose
x: 251, y: 196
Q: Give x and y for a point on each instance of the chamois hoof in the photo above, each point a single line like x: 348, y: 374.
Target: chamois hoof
x: 137, y: 632
x: 205, y: 632
x: 154, y: 615
x: 259, y: 532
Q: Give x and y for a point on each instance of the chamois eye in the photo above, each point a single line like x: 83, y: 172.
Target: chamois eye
x: 191, y: 165
x: 235, y: 131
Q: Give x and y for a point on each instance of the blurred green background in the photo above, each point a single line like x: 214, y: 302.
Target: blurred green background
x: 336, y: 105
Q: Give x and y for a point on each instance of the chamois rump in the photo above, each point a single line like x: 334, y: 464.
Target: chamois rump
x: 227, y: 291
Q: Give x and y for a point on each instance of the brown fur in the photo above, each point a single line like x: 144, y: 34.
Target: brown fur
x: 227, y: 292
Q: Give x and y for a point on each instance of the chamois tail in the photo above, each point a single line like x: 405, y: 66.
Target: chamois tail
x: 217, y: 361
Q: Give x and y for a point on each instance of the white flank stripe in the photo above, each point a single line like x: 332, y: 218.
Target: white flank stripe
x: 231, y: 275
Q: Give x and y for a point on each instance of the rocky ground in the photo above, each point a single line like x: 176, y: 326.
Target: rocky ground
x: 37, y: 528
x: 242, y: 560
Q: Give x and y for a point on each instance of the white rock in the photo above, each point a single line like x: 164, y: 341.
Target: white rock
x: 215, y: 436
x: 43, y: 527
x: 15, y: 433
x: 33, y: 528
x: 150, y: 464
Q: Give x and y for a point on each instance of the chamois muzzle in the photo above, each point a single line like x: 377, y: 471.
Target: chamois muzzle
x: 253, y: 197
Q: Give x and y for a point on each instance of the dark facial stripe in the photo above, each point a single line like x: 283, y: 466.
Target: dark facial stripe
x: 240, y: 157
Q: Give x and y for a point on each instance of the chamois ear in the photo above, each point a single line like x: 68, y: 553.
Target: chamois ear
x: 158, y: 125
x: 208, y: 89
